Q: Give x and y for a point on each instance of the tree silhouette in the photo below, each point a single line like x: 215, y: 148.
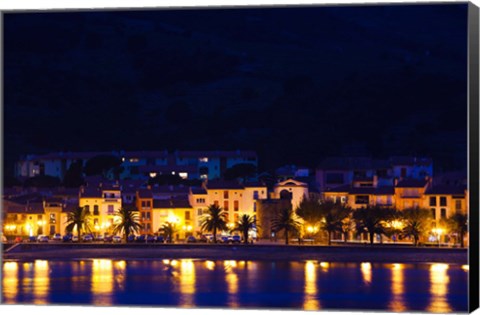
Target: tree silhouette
x: 128, y: 222
x: 215, y: 219
x: 285, y: 221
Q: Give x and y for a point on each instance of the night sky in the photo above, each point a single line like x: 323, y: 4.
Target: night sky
x: 294, y: 84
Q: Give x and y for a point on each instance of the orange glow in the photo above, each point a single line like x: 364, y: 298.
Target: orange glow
x: 102, y: 282
x: 397, y: 303
x: 41, y: 282
x: 10, y: 282
x: 187, y: 282
x: 310, y: 300
x: 232, y: 287
x: 366, y: 268
x: 439, y: 288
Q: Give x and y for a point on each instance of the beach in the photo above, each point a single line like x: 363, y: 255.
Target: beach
x: 357, y: 253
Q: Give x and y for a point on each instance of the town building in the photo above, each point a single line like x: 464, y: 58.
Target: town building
x: 368, y: 172
x: 141, y: 164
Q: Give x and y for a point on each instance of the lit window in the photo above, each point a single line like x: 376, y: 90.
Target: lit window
x: 133, y: 160
x: 204, y: 176
x: 153, y: 174
x: 183, y: 175
x: 203, y: 159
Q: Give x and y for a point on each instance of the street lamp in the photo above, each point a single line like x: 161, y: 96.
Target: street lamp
x: 438, y: 232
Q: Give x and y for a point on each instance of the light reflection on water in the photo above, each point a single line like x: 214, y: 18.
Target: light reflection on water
x: 309, y: 285
x: 397, y: 303
x: 311, y: 301
x: 439, y: 280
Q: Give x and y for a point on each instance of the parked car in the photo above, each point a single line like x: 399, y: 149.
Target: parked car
x: 116, y: 239
x: 159, y: 239
x: 224, y: 239
x: 141, y: 238
x: 42, y: 239
x: 87, y: 238
x: 107, y: 239
x: 131, y: 238
x: 18, y: 239
x: 74, y: 238
x: 32, y: 239
x: 191, y: 239
x: 202, y: 239
x: 67, y: 238
x: 150, y: 238
x: 235, y: 239
x: 209, y: 238
x: 57, y: 237
x: 99, y: 238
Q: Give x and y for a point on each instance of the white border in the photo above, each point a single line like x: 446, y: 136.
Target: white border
x: 19, y: 5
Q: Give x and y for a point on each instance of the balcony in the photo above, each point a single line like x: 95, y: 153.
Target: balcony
x: 112, y: 199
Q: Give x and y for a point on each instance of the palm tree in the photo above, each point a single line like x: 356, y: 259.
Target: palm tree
x: 285, y: 220
x: 416, y: 222
x: 459, y: 224
x: 127, y: 222
x: 244, y: 225
x: 78, y: 218
x: 334, y: 218
x: 168, y: 229
x: 310, y: 210
x: 215, y: 219
x: 371, y: 219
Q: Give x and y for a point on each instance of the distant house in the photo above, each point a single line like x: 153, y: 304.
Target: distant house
x: 141, y: 164
x: 367, y: 172
x: 292, y: 190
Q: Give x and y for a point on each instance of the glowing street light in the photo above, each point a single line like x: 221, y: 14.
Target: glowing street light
x: 438, y: 232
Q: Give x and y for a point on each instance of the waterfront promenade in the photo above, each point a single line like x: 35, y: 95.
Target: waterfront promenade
x: 353, y: 253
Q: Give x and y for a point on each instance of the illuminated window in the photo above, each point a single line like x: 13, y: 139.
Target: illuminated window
x: 52, y: 218
x: 133, y: 160
x: 183, y: 175
x: 203, y: 176
x: 203, y: 159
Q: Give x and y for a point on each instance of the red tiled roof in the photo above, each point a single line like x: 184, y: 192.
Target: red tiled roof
x: 91, y: 193
x: 412, y: 183
x: 446, y: 190
x: 223, y: 185
x: 171, y: 203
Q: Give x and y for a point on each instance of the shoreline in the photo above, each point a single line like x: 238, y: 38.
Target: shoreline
x: 375, y: 254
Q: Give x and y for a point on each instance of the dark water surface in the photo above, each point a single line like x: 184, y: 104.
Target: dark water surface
x: 309, y: 285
